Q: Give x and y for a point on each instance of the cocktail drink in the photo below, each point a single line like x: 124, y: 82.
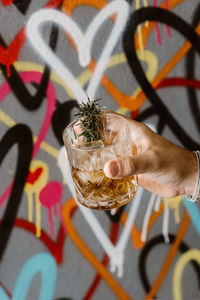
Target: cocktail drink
x: 93, y: 189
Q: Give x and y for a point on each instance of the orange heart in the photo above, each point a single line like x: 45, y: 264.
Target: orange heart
x: 110, y: 280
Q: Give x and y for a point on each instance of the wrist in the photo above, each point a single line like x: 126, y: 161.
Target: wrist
x: 192, y: 184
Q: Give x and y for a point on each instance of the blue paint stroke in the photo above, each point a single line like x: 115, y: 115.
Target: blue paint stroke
x: 3, y: 295
x: 194, y: 213
x: 42, y: 263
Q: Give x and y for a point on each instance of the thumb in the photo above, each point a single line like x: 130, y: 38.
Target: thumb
x: 128, y: 166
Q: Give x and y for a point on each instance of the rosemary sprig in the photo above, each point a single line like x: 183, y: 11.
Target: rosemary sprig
x: 89, y: 116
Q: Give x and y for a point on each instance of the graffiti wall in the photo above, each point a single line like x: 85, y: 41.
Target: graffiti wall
x: 142, y: 58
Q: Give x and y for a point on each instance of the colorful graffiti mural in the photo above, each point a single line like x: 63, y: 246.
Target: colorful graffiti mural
x: 140, y: 57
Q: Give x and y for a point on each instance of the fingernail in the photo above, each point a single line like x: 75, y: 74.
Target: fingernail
x: 114, y: 168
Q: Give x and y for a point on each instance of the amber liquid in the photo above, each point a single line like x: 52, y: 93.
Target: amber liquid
x: 95, y: 190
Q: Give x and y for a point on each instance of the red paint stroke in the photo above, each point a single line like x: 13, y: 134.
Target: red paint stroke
x: 5, y: 290
x: 7, y: 2
x: 105, y: 260
x: 55, y: 247
x: 53, y: 3
x: 178, y: 81
x: 10, y: 54
x: 156, y: 26
x: 5, y: 194
x: 32, y: 76
x: 33, y: 176
x: 134, y: 114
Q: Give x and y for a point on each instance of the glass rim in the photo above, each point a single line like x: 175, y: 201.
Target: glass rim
x: 107, y: 146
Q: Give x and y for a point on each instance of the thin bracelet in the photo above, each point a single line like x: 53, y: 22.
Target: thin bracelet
x: 195, y: 198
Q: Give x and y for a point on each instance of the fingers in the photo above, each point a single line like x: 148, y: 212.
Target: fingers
x: 128, y: 166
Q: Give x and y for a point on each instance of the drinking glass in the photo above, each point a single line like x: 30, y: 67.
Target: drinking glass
x: 93, y: 188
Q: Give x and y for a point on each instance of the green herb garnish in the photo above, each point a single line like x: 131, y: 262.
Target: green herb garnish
x: 89, y: 116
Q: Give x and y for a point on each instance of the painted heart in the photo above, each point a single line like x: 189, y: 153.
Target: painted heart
x: 145, y: 256
x: 50, y: 93
x: 89, y: 255
x: 170, y: 256
x: 83, y: 43
x: 166, y: 17
x: 33, y: 176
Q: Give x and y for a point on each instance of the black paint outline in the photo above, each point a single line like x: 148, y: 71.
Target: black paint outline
x: 183, y: 247
x: 22, y: 136
x: 169, y: 18
x: 190, y: 66
x: 22, y: 5
x: 61, y: 118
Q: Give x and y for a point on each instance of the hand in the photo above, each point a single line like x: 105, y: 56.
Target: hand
x: 161, y: 167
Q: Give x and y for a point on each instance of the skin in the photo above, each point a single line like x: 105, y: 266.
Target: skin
x: 161, y: 167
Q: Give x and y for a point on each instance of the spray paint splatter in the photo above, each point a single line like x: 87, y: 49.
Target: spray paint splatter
x: 50, y: 196
x: 36, y: 181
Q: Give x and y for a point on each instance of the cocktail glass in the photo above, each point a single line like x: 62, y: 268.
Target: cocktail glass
x: 93, y: 189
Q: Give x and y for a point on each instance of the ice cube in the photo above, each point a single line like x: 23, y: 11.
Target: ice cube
x: 96, y: 161
x: 108, y: 154
x: 93, y: 177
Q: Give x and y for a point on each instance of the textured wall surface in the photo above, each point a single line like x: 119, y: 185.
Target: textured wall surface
x: 144, y: 62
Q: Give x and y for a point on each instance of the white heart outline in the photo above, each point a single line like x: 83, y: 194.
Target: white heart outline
x: 121, y: 8
x: 118, y: 7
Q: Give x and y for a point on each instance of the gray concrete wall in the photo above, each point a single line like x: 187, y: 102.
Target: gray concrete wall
x: 48, y: 255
